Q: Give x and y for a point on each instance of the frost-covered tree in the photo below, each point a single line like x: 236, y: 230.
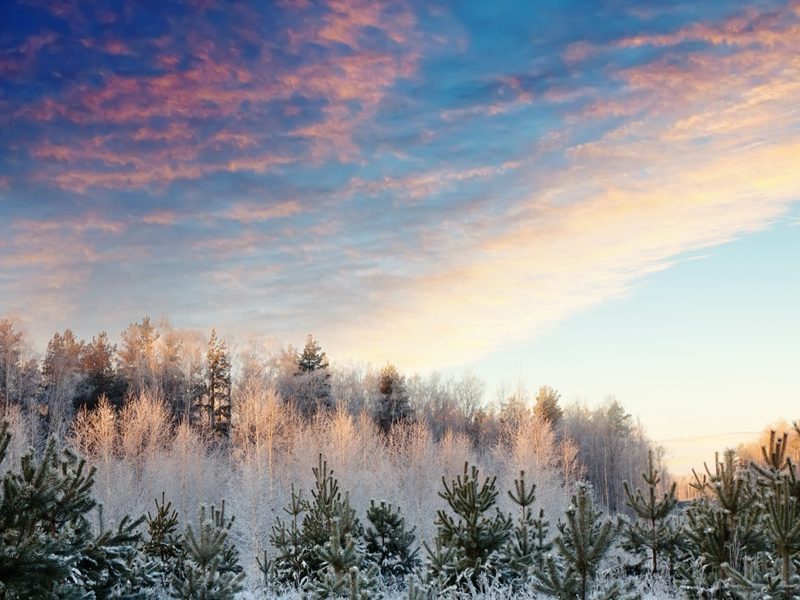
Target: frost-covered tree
x: 582, y: 543
x: 723, y: 529
x: 546, y: 406
x: 19, y: 375
x: 218, y: 385
x: 392, y: 404
x: 211, y: 569
x: 528, y: 542
x: 389, y: 543
x: 341, y: 576
x: 137, y: 360
x: 62, y: 376
x: 474, y: 533
x: 652, y: 533
x: 312, y: 387
x: 99, y: 375
x: 48, y: 545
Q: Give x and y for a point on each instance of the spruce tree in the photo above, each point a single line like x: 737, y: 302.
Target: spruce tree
x: 476, y: 535
x: 582, y: 543
x: 388, y: 543
x: 652, y: 533
x: 211, y: 569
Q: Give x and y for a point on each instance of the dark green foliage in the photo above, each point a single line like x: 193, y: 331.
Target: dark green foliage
x: 47, y: 546
x: 723, y: 529
x: 528, y: 542
x: 327, y: 507
x: 582, y: 543
x: 218, y: 386
x: 388, y: 543
x: 211, y: 569
x: 313, y: 388
x: 300, y: 543
x: 164, y: 545
x: 393, y: 403
x: 291, y: 564
x: 475, y: 535
x: 652, y: 533
x: 340, y: 575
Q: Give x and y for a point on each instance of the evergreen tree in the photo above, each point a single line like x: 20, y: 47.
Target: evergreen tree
x: 388, y: 543
x: 298, y: 559
x: 218, y: 385
x: 475, y: 535
x: 393, y: 404
x: 99, y: 376
x: 582, y: 543
x: 164, y: 545
x: 312, y: 378
x: 10, y: 365
x: 723, y: 529
x: 292, y: 563
x: 47, y: 545
x: 211, y: 569
x: 546, y: 406
x: 327, y: 507
x: 312, y: 358
x: 528, y: 542
x: 340, y: 576
x: 652, y: 533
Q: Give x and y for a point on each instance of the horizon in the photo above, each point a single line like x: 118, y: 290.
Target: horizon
x: 600, y: 198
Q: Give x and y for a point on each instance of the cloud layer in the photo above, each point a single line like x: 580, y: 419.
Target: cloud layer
x: 411, y: 182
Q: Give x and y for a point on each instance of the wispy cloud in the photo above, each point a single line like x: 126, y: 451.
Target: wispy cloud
x: 396, y: 177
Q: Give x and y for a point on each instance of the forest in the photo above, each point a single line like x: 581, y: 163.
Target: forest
x: 169, y: 465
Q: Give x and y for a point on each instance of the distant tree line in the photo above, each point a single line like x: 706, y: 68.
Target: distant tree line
x: 199, y: 380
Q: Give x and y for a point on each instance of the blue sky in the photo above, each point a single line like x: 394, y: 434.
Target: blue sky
x: 590, y: 194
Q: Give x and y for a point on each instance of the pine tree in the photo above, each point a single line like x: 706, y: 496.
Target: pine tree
x: 327, y: 507
x: 164, y: 545
x: 211, y: 567
x: 582, y: 543
x: 546, y: 406
x: 313, y: 390
x: 340, y: 576
x: 292, y: 563
x: 528, y: 542
x: 388, y: 543
x: 99, y: 376
x: 393, y: 404
x: 723, y: 529
x: 773, y: 572
x: 218, y: 385
x: 652, y: 533
x: 47, y: 545
x: 312, y: 358
x: 476, y: 536
x: 298, y: 559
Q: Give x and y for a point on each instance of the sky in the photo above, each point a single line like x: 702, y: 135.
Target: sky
x: 602, y: 196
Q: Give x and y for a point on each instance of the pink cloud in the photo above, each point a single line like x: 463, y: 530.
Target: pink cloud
x: 255, y: 213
